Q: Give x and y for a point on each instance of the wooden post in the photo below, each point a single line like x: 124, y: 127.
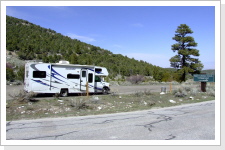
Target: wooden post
x: 203, y: 86
x: 87, y: 90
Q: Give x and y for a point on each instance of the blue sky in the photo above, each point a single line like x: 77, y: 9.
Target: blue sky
x: 142, y: 32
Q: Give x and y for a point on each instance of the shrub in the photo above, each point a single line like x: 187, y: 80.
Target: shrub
x: 142, y: 93
x: 10, y: 76
x: 135, y: 79
x: 151, y: 103
x: 138, y: 94
x: 23, y: 96
x: 80, y: 104
x: 184, y: 90
x: 210, y: 90
x: 194, y: 91
x: 181, y: 91
x: 180, y: 94
x: 20, y: 73
x: 147, y: 92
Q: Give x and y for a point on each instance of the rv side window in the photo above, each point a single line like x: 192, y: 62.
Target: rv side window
x: 98, y: 70
x: 90, y: 77
x: 73, y: 76
x: 83, y: 73
x: 39, y: 74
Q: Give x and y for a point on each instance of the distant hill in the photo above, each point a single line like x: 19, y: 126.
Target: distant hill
x: 28, y: 41
x: 32, y: 42
x: 209, y: 71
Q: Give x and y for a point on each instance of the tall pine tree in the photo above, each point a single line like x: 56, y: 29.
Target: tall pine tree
x: 186, y: 60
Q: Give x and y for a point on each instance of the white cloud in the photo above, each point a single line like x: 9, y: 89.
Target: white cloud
x: 80, y: 37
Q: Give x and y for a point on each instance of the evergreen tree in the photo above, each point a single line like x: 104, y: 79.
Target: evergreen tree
x: 186, y: 60
x: 73, y: 59
x: 77, y: 49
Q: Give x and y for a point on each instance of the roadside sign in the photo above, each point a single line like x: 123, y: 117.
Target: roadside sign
x: 204, y: 77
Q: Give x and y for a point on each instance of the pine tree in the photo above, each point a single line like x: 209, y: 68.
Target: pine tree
x: 73, y: 59
x: 186, y: 60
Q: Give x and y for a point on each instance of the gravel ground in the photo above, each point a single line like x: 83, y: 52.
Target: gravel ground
x: 13, y: 89
x: 137, y: 88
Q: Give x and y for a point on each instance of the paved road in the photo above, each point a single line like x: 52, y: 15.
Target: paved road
x: 186, y: 122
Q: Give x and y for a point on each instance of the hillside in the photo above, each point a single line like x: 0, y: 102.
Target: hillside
x: 32, y: 42
x: 210, y: 71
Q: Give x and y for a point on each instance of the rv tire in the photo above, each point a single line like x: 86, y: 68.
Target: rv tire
x: 64, y: 92
x: 105, y: 90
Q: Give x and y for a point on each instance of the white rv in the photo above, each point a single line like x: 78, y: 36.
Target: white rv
x: 64, y: 78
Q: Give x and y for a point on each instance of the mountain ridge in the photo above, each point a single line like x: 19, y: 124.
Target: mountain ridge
x: 33, y: 42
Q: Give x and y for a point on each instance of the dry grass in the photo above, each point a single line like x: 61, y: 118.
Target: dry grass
x: 193, y: 90
x: 26, y: 107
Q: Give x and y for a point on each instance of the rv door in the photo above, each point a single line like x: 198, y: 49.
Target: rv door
x: 83, y: 80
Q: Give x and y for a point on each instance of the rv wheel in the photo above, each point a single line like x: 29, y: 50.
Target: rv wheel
x: 105, y: 90
x: 64, y: 92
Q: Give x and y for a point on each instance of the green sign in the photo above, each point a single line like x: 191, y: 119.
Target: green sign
x: 204, y: 77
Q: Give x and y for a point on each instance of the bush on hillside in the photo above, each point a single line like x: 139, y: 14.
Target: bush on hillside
x: 136, y: 79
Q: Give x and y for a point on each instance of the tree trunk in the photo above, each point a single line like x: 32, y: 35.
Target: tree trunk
x: 183, y: 66
x: 183, y: 77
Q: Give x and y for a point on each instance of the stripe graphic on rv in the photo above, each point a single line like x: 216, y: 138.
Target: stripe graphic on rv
x: 56, y: 73
x: 53, y: 75
x: 95, y: 87
x: 33, y: 66
x: 52, y: 81
x: 39, y: 81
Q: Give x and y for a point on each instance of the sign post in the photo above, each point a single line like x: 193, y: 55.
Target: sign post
x: 203, y: 86
x: 204, y: 78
